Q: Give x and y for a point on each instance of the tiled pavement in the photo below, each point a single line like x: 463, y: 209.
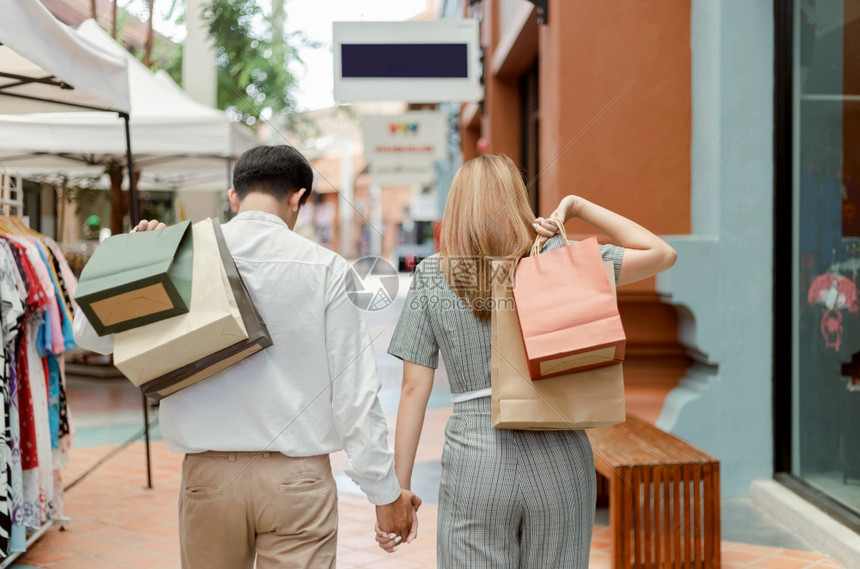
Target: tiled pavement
x: 116, y: 522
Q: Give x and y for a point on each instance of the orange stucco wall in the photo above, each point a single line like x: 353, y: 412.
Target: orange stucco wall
x: 500, y: 123
x: 634, y: 158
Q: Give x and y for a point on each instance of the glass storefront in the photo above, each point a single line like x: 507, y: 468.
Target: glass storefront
x: 825, y: 416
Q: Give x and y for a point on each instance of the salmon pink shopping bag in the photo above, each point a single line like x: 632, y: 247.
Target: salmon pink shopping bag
x: 579, y: 400
x: 567, y: 310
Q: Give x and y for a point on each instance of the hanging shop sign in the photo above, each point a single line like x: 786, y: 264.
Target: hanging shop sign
x: 417, y: 136
x: 393, y: 174
x: 417, y: 62
x: 401, y: 149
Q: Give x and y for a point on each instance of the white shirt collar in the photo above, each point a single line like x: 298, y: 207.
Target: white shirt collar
x: 257, y: 215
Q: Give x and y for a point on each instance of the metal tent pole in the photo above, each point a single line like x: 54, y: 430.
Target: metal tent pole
x: 134, y: 218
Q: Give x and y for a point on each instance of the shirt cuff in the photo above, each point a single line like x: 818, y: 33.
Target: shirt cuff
x: 382, y: 491
x: 86, y: 337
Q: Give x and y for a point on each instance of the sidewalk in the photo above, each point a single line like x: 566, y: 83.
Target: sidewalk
x: 117, y: 523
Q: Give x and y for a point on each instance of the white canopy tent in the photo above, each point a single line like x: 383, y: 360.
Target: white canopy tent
x: 175, y: 139
x: 46, y: 66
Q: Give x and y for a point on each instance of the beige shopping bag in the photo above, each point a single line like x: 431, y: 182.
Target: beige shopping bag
x: 258, y: 338
x: 212, y: 323
x: 579, y: 400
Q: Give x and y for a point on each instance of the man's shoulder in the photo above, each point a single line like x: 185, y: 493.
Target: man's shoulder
x: 312, y: 253
x: 321, y: 253
x: 286, y: 243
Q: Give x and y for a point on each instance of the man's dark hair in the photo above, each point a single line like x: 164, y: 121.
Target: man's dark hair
x: 276, y: 170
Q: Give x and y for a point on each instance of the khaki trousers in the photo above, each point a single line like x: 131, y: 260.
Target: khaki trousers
x: 238, y: 508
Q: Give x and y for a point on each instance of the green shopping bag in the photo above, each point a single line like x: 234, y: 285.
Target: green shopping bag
x: 139, y: 278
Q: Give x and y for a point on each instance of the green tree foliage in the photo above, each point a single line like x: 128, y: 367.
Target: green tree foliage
x: 166, y: 53
x: 253, y: 54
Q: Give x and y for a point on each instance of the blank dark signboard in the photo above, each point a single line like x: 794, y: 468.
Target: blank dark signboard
x: 404, y: 60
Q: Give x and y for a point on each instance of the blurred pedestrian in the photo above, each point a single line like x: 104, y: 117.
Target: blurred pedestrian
x: 508, y: 498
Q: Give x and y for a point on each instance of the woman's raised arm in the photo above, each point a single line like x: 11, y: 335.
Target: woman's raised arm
x: 645, y: 254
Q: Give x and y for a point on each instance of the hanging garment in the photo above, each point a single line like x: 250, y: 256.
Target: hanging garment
x: 834, y: 291
x: 18, y: 540
x: 834, y: 294
x: 38, y: 480
x: 5, y: 470
x: 36, y: 307
x: 13, y: 292
x: 27, y: 434
x: 11, y: 313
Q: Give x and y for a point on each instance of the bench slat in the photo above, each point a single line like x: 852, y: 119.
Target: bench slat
x: 667, y: 504
x: 628, y: 517
x: 637, y: 514
x: 659, y: 498
x: 709, y: 513
x: 715, y: 491
x: 698, y: 550
x: 676, y: 493
x: 687, y: 536
x: 648, y: 557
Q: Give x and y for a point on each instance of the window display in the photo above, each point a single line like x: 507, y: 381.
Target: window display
x: 826, y: 335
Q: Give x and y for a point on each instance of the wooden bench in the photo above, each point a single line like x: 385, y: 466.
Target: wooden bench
x: 664, y: 497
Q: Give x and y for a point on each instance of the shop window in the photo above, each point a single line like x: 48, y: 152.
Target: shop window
x: 825, y: 407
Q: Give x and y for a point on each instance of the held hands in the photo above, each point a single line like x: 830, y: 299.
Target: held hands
x: 397, y: 522
x: 390, y: 541
x: 145, y: 225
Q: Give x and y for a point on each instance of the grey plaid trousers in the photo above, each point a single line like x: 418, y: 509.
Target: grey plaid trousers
x: 513, y: 499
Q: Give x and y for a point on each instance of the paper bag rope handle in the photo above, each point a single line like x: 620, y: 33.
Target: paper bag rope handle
x: 536, y: 246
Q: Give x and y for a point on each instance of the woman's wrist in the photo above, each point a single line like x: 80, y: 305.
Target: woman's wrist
x: 572, y: 206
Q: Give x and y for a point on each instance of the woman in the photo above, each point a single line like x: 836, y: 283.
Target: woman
x: 508, y: 498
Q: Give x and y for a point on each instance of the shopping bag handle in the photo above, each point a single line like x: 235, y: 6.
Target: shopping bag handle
x: 538, y: 244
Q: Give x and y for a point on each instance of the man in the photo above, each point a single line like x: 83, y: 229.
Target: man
x: 256, y: 479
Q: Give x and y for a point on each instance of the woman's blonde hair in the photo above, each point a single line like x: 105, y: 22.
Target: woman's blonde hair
x: 487, y: 216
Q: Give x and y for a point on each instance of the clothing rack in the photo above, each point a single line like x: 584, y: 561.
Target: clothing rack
x: 12, y: 204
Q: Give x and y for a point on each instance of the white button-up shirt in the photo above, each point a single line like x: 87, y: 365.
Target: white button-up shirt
x: 314, y: 391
